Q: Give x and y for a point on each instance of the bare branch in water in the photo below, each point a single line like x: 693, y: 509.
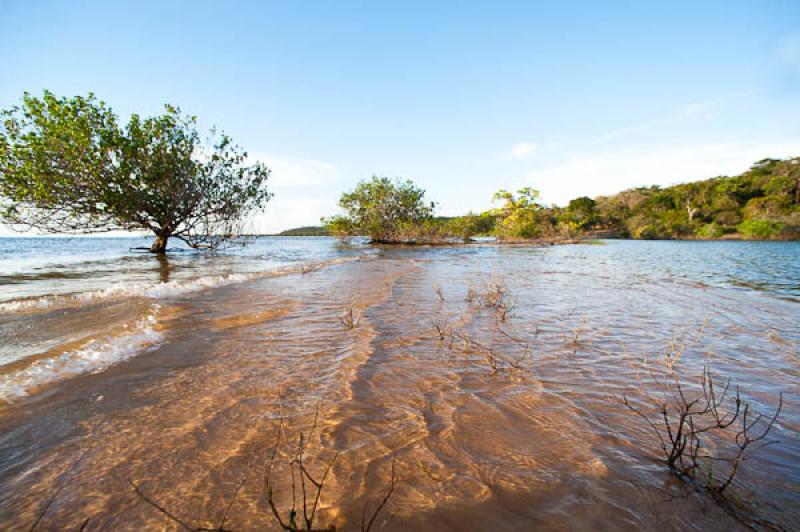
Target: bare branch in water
x: 46, y: 507
x: 235, y: 494
x: 306, y: 488
x: 684, y: 424
x: 160, y: 508
x: 350, y: 317
x: 745, y: 438
x: 58, y: 490
x: 438, y: 290
x: 368, y: 526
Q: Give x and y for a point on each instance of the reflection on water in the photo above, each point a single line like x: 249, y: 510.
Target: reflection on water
x: 218, y: 349
x: 163, y: 268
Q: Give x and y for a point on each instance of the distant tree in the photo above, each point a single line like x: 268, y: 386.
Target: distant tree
x: 67, y: 167
x: 516, y: 217
x: 311, y: 230
x: 760, y: 229
x: 387, y: 210
x: 469, y: 225
x: 784, y: 180
x: 581, y: 211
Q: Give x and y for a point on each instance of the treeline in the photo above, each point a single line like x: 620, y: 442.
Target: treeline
x: 309, y: 230
x: 69, y: 165
x: 394, y: 211
x: 763, y: 203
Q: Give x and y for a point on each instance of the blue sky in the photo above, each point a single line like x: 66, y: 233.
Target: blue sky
x: 577, y: 98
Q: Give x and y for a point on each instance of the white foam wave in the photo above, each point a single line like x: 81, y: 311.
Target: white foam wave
x: 93, y: 357
x: 164, y: 290
x: 99, y: 354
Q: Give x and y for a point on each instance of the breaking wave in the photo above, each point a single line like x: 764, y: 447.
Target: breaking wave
x: 136, y: 337
x: 94, y: 356
x: 163, y: 290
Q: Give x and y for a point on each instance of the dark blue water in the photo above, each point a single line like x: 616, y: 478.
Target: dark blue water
x: 769, y: 267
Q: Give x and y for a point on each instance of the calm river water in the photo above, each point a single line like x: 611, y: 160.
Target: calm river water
x: 175, y: 374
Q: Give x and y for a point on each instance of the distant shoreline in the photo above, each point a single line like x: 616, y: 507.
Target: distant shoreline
x: 577, y: 239
x: 734, y: 237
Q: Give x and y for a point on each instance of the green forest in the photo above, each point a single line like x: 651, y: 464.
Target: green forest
x: 760, y: 204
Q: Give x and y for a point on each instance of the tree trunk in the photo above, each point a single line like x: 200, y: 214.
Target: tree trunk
x: 690, y: 210
x: 159, y: 244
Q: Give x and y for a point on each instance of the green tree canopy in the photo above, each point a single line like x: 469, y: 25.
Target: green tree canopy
x: 516, y: 217
x: 67, y: 166
x: 581, y: 212
x: 762, y: 203
x: 387, y: 210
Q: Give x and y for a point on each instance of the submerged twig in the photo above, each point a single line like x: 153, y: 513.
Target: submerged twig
x: 681, y: 424
x: 350, y: 317
x: 368, y: 526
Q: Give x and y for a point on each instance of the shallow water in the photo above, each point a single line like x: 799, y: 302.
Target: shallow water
x: 175, y: 375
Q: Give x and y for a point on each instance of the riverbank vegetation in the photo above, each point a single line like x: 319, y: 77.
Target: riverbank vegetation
x: 388, y: 211
x: 393, y: 211
x: 68, y: 166
x: 309, y: 230
x: 760, y: 204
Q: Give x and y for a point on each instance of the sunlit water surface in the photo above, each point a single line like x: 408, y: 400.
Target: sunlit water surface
x: 174, y: 373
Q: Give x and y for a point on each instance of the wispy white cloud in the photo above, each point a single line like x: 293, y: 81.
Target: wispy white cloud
x: 635, y: 128
x: 606, y: 172
x: 298, y: 172
x: 286, y: 211
x: 695, y: 109
x: 704, y: 109
x: 522, y: 150
x: 304, y: 190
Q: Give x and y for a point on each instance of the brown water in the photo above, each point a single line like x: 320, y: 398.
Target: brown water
x: 533, y: 437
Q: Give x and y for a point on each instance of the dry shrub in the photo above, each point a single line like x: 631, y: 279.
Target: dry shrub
x: 306, y: 487
x: 494, y: 296
x: 350, y: 317
x: 460, y: 340
x: 438, y: 290
x: 704, y: 433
